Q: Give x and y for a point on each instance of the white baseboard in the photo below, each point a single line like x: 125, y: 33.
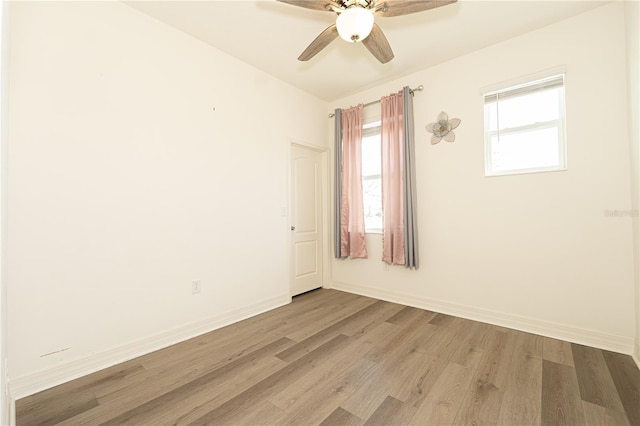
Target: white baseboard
x: 614, y: 343
x: 12, y: 410
x: 7, y: 416
x: 45, y: 379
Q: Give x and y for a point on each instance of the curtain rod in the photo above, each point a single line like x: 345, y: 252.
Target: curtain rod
x: 417, y: 89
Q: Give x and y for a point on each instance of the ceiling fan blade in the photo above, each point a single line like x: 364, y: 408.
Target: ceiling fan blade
x: 320, y: 42
x: 325, y: 5
x: 378, y: 45
x: 389, y: 8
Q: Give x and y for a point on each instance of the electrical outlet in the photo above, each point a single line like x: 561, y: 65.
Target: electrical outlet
x: 196, y: 286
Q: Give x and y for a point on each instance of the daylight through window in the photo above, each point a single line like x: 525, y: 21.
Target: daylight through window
x: 371, y: 177
x: 525, y: 129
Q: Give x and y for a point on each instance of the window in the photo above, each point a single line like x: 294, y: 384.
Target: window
x: 371, y: 177
x: 524, y: 128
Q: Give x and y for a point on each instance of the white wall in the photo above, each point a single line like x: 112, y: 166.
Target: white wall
x: 125, y: 185
x: 532, y: 251
x: 632, y: 19
x: 5, y: 398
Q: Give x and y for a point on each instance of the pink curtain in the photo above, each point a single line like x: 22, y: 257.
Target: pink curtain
x: 393, y: 238
x: 352, y: 234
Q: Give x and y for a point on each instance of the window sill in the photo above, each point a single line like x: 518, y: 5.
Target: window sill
x: 526, y: 171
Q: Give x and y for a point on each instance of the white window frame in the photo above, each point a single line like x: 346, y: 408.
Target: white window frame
x: 528, y: 85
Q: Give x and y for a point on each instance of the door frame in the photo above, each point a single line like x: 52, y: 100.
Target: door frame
x: 324, y: 195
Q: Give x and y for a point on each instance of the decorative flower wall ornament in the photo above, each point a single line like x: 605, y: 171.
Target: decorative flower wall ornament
x: 443, y: 128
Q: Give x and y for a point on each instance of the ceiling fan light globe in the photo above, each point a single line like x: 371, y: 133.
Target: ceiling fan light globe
x: 355, y: 24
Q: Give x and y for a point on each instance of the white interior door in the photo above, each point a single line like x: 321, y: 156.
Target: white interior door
x: 306, y: 219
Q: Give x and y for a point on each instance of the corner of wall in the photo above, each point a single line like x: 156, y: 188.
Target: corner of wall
x: 7, y: 404
x: 632, y: 33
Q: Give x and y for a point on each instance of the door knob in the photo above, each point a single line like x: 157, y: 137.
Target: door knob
x: 293, y: 228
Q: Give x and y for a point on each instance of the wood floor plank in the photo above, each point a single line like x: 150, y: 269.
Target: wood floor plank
x: 289, y: 398
x: 97, y: 381
x: 343, y: 387
x: 474, y: 341
x: 341, y: 417
x: 523, y: 388
x: 347, y: 326
x: 42, y: 412
x: 594, y: 378
x: 426, y: 370
x: 518, y: 410
x: 132, y: 392
x: 497, y: 358
x: 264, y: 413
x: 482, y: 335
x: 129, y: 394
x: 441, y: 405
x: 212, y: 379
x: 217, y: 391
x: 300, y: 329
x: 208, y: 355
x: 309, y: 318
x: 524, y: 376
x: 407, y: 313
x: 480, y: 405
x: 447, y: 343
x: 368, y: 397
x: 483, y: 398
x: 557, y: 351
x: 356, y: 360
x: 561, y: 402
x: 273, y: 383
x: 394, y: 365
x: 387, y: 413
x: 442, y: 319
x: 404, y: 333
x: 72, y: 398
x: 595, y: 415
x: 236, y: 335
x: 211, y: 396
x: 315, y: 407
x: 626, y: 377
x: 529, y: 345
x: 445, y: 337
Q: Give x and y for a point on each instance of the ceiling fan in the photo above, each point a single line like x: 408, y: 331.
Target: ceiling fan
x: 355, y: 22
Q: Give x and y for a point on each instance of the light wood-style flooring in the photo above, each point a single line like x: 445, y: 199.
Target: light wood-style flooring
x: 334, y: 358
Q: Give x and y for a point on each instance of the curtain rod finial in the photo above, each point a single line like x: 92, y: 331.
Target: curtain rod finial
x: 331, y: 115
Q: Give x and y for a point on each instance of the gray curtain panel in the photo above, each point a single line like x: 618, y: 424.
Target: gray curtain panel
x: 410, y: 199
x: 337, y: 182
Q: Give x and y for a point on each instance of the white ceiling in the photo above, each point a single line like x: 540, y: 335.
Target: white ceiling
x: 270, y: 35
